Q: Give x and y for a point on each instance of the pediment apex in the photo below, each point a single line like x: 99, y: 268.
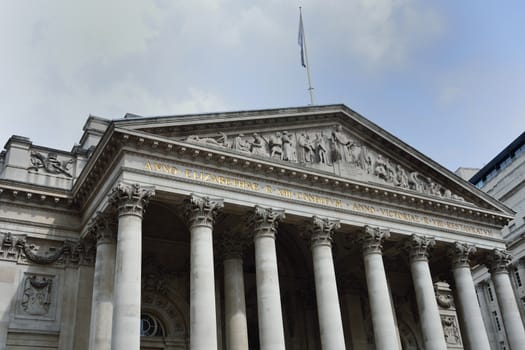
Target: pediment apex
x: 330, y: 139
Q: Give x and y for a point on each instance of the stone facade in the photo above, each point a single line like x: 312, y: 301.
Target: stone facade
x: 298, y: 228
x: 504, y: 179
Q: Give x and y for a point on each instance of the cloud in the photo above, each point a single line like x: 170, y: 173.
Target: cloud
x: 64, y: 60
x: 380, y: 33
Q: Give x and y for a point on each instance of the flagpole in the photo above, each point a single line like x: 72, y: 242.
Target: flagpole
x: 310, y: 88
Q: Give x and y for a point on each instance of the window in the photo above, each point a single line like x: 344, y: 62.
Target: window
x: 496, y: 320
x: 490, y: 175
x: 489, y: 292
x: 505, y: 163
x: 518, y: 277
x: 150, y: 326
x: 519, y: 151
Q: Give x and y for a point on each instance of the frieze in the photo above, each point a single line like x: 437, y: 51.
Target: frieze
x: 329, y: 149
x: 287, y: 193
x: 22, y: 249
x: 50, y: 164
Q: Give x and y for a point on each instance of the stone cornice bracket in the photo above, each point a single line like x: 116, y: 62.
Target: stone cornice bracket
x: 419, y: 247
x: 321, y: 231
x: 372, y: 239
x: 264, y: 221
x: 131, y: 199
x: 232, y: 245
x: 201, y: 211
x: 103, y: 228
x: 499, y: 261
x: 460, y: 254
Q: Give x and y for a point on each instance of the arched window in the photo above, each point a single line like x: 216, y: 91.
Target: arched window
x: 151, y: 326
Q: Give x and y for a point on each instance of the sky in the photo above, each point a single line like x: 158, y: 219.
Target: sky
x: 447, y: 77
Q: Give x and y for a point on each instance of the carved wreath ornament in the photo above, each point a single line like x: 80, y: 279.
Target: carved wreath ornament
x: 327, y: 150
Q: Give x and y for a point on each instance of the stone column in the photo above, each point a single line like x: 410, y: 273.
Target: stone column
x: 473, y: 328
x: 328, y: 309
x: 499, y: 264
x: 264, y: 223
x: 381, y: 309
x: 104, y: 232
x: 234, y: 299
x: 200, y: 213
x: 131, y: 201
x: 355, y: 327
x: 419, y: 249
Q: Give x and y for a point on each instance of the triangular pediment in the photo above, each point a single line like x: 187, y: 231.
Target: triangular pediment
x: 331, y: 140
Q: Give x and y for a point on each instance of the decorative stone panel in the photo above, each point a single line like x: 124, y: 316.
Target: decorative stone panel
x: 37, y: 297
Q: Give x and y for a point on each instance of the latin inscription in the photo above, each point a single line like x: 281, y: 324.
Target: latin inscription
x: 286, y: 193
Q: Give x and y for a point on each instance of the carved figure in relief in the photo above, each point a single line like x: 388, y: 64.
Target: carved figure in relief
x: 50, y: 164
x: 258, y: 145
x: 306, y: 149
x: 364, y: 160
x: 380, y: 168
x: 320, y: 148
x: 390, y: 171
x: 288, y: 148
x: 221, y: 141
x: 450, y: 330
x: 414, y: 182
x: 342, y: 145
x: 401, y: 179
x: 240, y: 144
x: 276, y: 145
x: 37, y: 295
x: 434, y: 188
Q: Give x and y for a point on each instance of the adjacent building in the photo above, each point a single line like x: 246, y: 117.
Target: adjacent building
x: 295, y: 228
x: 504, y: 179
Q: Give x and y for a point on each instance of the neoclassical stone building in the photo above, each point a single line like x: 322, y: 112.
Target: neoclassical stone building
x: 297, y: 228
x: 504, y: 179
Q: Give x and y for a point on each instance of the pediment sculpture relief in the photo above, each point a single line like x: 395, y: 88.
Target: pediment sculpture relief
x: 328, y: 149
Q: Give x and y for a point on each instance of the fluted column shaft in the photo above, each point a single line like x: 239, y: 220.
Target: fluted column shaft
x: 328, y: 308
x: 433, y: 335
x: 102, y: 300
x: 234, y: 298
x: 200, y: 215
x: 381, y: 309
x: 500, y: 261
x: 131, y: 201
x: 473, y: 328
x: 271, y: 332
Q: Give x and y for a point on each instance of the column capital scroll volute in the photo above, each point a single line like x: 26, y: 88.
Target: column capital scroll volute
x: 130, y: 199
x: 320, y: 231
x: 499, y: 261
x: 103, y: 228
x: 460, y: 254
x: 264, y: 221
x: 419, y: 247
x: 202, y: 211
x: 372, y: 239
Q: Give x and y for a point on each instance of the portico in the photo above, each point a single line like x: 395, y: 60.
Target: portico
x: 211, y: 233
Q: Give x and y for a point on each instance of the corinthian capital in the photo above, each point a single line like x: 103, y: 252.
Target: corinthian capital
x: 419, y: 247
x: 373, y: 239
x: 264, y: 221
x: 131, y: 199
x: 499, y: 261
x: 232, y: 245
x: 460, y: 254
x: 202, y: 211
x: 103, y: 228
x: 321, y: 230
